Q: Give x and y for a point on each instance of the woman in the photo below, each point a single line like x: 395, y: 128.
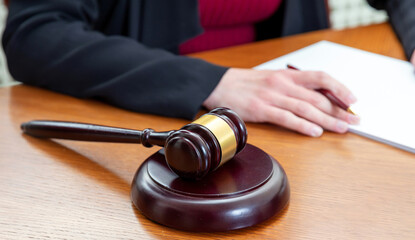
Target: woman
x: 124, y: 52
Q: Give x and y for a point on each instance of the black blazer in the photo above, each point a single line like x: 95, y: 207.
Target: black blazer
x: 402, y: 17
x: 123, y: 51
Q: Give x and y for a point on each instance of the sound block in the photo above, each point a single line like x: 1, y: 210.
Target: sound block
x: 246, y: 190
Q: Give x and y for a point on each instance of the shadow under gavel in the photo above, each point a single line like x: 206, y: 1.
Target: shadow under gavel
x: 191, y: 152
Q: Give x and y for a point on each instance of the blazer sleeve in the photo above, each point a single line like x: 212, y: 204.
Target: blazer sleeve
x: 402, y: 17
x: 52, y: 44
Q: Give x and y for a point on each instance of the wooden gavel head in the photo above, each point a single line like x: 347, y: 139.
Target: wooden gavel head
x: 191, y: 152
x: 205, y: 144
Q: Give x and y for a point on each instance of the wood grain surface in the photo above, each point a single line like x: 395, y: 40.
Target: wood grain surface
x: 342, y: 186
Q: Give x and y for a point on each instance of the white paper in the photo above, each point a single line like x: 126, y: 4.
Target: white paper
x: 384, y: 87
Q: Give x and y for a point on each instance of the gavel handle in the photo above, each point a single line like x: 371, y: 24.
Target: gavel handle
x: 92, y: 132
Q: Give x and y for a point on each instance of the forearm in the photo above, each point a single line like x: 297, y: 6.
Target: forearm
x: 402, y: 17
x: 54, y: 46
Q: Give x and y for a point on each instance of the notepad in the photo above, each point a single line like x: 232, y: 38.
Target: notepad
x: 384, y: 87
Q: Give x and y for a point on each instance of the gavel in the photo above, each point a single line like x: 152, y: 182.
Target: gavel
x: 191, y: 152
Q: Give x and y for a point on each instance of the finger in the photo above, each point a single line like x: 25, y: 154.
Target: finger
x: 413, y: 58
x: 307, y: 111
x: 322, y: 103
x: 288, y: 120
x: 317, y: 80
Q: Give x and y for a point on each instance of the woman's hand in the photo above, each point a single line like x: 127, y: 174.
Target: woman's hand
x: 286, y: 98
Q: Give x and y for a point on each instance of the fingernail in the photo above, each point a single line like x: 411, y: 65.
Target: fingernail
x: 316, y: 131
x: 353, y: 119
x: 341, y: 126
x: 351, y: 98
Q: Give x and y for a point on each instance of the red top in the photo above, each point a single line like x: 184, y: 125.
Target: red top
x: 228, y: 22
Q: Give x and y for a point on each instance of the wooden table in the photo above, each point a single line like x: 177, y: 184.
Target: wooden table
x: 343, y: 186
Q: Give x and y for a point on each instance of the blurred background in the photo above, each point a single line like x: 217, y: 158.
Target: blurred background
x: 343, y: 14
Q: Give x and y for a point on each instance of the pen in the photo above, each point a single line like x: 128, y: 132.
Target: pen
x: 328, y: 94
